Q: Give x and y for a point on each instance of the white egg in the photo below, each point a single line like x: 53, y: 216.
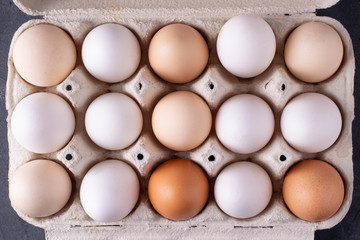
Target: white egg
x: 111, y: 53
x: 113, y: 121
x: 246, y: 45
x: 244, y: 123
x: 109, y: 191
x: 243, y: 189
x: 311, y: 122
x: 43, y: 122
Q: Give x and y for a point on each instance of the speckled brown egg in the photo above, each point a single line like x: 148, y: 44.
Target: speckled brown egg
x: 313, y: 190
x: 178, y: 189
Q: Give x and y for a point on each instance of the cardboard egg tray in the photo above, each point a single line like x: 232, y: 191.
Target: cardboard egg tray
x: 276, y: 86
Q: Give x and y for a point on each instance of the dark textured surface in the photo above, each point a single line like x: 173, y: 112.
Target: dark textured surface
x: 13, y: 228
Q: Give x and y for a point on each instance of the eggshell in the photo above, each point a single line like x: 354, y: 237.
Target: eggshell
x: 113, y: 121
x: 178, y: 189
x: 243, y: 189
x: 246, y: 45
x: 111, y: 53
x: 44, y: 55
x: 181, y: 120
x: 43, y: 122
x: 313, y: 52
x: 39, y: 188
x: 178, y: 53
x: 244, y: 123
x: 109, y: 191
x: 311, y: 122
x: 313, y: 190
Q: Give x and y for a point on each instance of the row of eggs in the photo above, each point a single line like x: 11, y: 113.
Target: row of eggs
x: 310, y: 122
x: 178, y: 189
x: 44, y: 55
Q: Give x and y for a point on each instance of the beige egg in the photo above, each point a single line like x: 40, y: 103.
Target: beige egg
x: 313, y: 52
x: 39, y: 188
x: 313, y: 190
x: 181, y: 120
x: 44, y: 55
x: 178, y: 53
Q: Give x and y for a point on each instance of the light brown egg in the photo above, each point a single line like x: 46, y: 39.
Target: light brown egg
x: 44, y: 55
x: 178, y: 53
x: 313, y: 190
x: 39, y: 188
x: 313, y: 52
x: 181, y: 120
x: 178, y: 189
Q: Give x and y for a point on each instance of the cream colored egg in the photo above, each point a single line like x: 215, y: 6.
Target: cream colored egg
x: 181, y: 120
x: 313, y: 52
x: 44, y: 55
x: 39, y: 188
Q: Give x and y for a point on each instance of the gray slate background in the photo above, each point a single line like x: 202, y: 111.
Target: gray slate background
x: 13, y: 228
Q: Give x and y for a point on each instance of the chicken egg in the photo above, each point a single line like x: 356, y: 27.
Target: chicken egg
x: 311, y: 122
x: 44, y: 55
x: 43, y: 122
x: 39, y: 188
x: 313, y: 52
x: 178, y: 189
x: 243, y: 189
x: 178, y: 53
x: 246, y: 45
x: 313, y: 190
x: 181, y: 120
x: 109, y: 191
x: 244, y: 123
x: 113, y: 121
x: 111, y: 53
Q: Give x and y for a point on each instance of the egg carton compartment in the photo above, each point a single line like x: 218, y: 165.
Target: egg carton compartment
x: 276, y: 86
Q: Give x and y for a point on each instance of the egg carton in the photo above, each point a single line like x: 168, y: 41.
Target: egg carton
x: 276, y: 86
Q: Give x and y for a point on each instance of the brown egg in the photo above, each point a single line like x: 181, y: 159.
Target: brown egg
x: 178, y: 189
x: 39, y: 188
x: 313, y: 190
x: 181, y: 120
x: 44, y: 55
x: 313, y: 52
x: 178, y: 53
